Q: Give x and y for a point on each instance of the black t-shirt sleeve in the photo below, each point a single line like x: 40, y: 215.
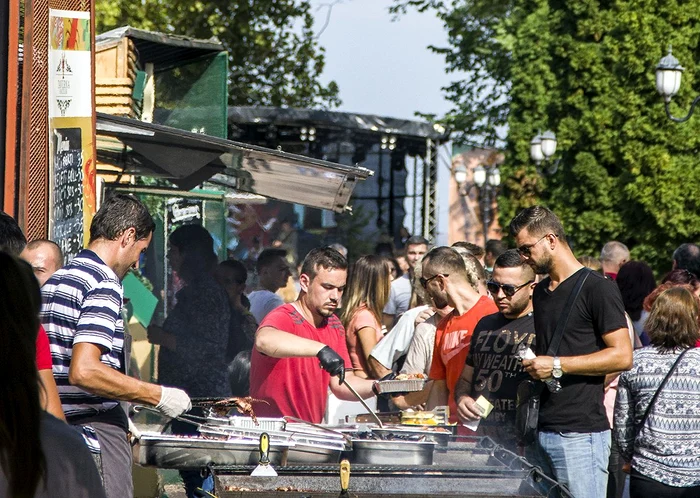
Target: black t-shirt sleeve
x: 608, y: 311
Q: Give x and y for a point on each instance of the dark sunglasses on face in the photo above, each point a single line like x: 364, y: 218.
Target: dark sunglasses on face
x: 525, y: 250
x: 508, y: 289
x: 425, y: 281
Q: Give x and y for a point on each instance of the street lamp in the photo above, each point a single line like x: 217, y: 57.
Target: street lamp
x: 668, y: 82
x: 486, y: 180
x: 542, y: 148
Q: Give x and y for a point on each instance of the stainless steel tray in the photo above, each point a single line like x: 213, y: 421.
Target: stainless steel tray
x: 178, y: 452
x: 431, y: 433
x: 400, y: 386
x: 375, y: 452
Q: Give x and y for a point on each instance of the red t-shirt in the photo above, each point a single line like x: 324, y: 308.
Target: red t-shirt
x: 297, y: 387
x: 43, y: 351
x: 452, y: 339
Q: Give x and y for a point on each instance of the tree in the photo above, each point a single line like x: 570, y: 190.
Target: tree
x: 274, y: 57
x: 586, y: 70
x: 480, y: 46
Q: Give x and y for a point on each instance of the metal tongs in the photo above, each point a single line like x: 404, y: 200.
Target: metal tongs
x: 369, y: 410
x: 190, y: 419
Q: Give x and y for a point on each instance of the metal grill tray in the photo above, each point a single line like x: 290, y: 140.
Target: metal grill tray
x: 400, y: 386
x: 177, y: 452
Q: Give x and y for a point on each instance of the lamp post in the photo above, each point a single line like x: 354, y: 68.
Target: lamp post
x: 486, y: 180
x: 668, y: 82
x: 542, y: 148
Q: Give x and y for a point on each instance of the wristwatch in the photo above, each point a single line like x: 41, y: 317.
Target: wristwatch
x: 556, y: 369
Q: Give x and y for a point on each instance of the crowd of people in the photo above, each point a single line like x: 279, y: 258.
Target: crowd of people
x: 617, y: 352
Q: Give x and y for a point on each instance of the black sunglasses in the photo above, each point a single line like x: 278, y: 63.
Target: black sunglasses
x: 425, y: 281
x: 508, y: 289
x: 525, y: 249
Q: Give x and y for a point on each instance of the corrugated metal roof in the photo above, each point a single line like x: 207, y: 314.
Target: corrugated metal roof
x: 162, y: 49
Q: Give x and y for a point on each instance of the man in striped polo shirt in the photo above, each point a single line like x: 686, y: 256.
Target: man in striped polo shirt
x: 81, y: 311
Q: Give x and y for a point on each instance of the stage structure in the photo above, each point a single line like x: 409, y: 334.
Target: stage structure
x: 403, y: 154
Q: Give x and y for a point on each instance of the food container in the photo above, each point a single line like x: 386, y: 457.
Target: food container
x: 310, y: 450
x: 167, y: 451
x: 264, y: 423
x: 438, y: 434
x: 377, y: 452
x: 400, y: 386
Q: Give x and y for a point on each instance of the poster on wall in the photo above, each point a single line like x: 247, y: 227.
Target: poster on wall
x: 72, y: 191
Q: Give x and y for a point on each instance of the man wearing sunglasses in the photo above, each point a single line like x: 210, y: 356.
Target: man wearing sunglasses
x: 492, y: 368
x: 445, y: 270
x: 574, y: 433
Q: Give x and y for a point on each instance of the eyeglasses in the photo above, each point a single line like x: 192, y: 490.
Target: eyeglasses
x: 508, y: 289
x: 425, y: 281
x: 525, y: 249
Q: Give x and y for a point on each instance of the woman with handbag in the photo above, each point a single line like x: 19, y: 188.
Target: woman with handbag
x: 657, y: 411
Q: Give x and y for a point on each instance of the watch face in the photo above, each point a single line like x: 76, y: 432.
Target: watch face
x: 556, y: 373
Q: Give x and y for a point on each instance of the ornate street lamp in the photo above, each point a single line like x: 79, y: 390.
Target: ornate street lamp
x: 542, y: 149
x: 486, y: 180
x: 668, y: 82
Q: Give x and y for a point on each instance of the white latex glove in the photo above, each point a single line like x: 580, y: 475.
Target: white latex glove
x: 173, y: 402
x: 135, y: 432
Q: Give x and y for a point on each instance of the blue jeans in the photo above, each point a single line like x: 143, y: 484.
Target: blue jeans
x: 577, y: 460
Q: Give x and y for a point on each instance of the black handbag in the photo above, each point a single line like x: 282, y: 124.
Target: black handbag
x: 527, y: 400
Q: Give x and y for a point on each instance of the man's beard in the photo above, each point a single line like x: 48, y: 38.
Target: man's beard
x: 543, y: 267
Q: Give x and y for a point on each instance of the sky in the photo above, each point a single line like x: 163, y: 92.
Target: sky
x: 383, y: 67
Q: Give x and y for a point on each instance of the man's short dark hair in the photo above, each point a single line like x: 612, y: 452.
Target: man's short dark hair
x: 120, y: 212
x: 12, y: 240
x: 687, y: 257
x: 324, y: 257
x: 269, y: 257
x: 495, y: 247
x: 475, y: 250
x: 511, y: 259
x: 416, y: 240
x: 539, y: 221
x: 446, y: 260
x: 37, y: 243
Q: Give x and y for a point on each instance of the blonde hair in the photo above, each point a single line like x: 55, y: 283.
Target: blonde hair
x: 369, y: 282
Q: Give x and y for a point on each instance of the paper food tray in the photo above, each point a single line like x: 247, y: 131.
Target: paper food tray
x: 398, y: 386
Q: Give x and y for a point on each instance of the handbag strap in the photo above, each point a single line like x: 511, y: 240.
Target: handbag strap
x: 559, y: 331
x: 656, y: 394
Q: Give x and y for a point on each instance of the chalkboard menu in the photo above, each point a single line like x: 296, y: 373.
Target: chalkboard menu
x: 67, y: 191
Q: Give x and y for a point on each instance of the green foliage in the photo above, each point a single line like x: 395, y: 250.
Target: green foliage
x: 585, y: 69
x: 274, y: 58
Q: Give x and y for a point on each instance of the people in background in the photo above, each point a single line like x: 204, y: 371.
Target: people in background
x: 492, y: 250
x: 45, y: 257
x: 636, y: 281
x: 590, y: 262
x: 613, y: 255
x: 272, y: 272
x: 663, y: 450
x: 42, y: 456
x: 232, y: 276
x: 400, y: 293
x: 366, y: 295
x: 687, y: 257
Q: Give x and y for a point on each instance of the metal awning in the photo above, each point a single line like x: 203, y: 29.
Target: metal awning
x: 187, y: 159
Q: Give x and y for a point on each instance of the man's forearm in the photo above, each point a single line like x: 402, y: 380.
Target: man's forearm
x: 376, y: 369
x: 362, y: 386
x: 463, y: 388
x: 97, y: 378
x: 279, y: 344
x: 603, y: 362
x: 439, y: 394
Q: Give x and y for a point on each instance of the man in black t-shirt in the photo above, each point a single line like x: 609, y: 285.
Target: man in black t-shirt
x: 492, y: 369
x: 574, y: 434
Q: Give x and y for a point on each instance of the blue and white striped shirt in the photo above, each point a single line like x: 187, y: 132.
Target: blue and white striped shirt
x: 82, y: 303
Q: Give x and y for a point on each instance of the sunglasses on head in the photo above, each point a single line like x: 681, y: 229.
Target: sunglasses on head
x: 508, y: 289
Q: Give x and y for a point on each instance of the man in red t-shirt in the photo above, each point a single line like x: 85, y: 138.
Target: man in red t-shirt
x: 295, y: 337
x: 458, y: 275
